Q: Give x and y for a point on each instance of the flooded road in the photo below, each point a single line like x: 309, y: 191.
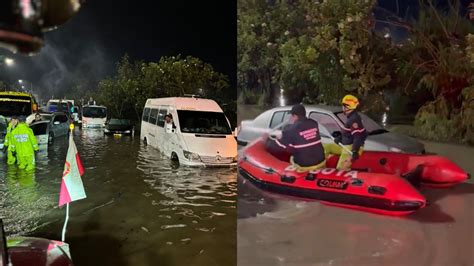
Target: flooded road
x: 279, y: 230
x: 140, y: 209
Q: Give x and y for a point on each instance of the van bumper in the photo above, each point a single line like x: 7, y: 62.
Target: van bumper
x: 201, y: 164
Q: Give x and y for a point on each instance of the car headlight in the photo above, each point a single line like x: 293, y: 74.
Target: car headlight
x: 106, y: 130
x: 127, y: 131
x: 393, y: 149
x: 191, y: 156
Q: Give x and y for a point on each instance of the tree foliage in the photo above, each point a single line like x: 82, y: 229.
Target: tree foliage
x: 317, y: 51
x: 313, y: 50
x: 125, y: 93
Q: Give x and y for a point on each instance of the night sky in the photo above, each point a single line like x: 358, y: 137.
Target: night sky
x: 104, y: 30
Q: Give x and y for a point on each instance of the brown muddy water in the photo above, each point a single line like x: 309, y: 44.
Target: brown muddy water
x: 279, y: 230
x: 140, y: 209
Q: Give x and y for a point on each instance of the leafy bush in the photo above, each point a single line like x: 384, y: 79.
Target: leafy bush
x: 435, y: 122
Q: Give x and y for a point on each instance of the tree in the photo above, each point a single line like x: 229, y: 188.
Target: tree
x: 437, y: 58
x: 125, y: 94
x: 313, y: 50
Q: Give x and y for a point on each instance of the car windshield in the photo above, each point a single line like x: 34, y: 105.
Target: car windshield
x: 370, y: 125
x: 203, y: 122
x: 119, y: 122
x: 94, y: 112
x: 39, y: 128
x: 11, y: 107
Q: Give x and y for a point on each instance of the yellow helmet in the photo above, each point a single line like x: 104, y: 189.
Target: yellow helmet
x: 350, y: 101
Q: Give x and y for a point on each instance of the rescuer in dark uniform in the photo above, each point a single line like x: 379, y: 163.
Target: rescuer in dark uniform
x: 302, y: 140
x: 353, y: 135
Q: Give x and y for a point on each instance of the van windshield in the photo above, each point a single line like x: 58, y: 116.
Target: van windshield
x: 94, y: 112
x: 203, y: 122
x: 53, y: 106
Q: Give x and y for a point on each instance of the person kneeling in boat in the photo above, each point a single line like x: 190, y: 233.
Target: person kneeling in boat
x: 353, y: 135
x: 302, y: 140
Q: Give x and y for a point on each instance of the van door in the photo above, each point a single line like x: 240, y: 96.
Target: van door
x: 175, y: 139
x: 145, y: 128
x: 160, y: 130
x: 152, y: 134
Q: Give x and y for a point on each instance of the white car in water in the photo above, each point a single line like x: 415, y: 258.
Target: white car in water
x: 330, y: 120
x: 51, y: 126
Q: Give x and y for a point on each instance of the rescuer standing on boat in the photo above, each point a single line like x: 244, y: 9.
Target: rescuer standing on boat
x: 353, y: 135
x: 23, y: 142
x: 302, y: 140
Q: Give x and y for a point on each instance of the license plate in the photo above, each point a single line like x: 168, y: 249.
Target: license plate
x: 117, y: 135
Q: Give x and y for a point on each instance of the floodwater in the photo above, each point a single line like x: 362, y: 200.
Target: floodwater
x: 140, y: 208
x: 279, y: 230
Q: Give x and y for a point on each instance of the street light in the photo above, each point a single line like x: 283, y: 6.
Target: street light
x: 9, y: 61
x: 24, y: 84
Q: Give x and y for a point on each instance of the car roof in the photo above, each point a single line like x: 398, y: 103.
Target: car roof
x: 40, y: 122
x: 94, y: 106
x: 313, y: 107
x: 185, y: 103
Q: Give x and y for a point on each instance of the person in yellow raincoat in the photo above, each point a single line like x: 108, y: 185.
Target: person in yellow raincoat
x: 23, y: 143
x: 11, y: 125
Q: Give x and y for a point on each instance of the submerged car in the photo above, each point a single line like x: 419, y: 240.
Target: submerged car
x: 331, y: 120
x: 119, y: 126
x: 51, y: 126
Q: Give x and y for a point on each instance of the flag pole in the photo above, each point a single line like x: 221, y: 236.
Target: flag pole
x: 63, y: 235
x: 65, y: 223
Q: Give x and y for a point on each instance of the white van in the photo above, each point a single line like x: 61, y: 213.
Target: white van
x: 94, y: 116
x: 199, y: 136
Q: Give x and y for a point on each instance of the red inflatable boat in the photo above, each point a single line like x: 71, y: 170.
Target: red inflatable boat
x: 431, y: 170
x: 369, y: 191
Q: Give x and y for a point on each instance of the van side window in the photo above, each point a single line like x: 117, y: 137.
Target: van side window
x: 161, y: 118
x: 146, y: 113
x: 153, y: 115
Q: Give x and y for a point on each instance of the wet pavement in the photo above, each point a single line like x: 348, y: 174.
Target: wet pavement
x: 280, y: 230
x: 140, y: 208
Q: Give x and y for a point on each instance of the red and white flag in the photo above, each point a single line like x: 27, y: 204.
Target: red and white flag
x: 71, y: 185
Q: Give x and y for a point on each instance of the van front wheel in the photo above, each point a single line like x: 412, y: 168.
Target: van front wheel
x: 144, y: 141
x: 174, y: 160
x: 174, y: 157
